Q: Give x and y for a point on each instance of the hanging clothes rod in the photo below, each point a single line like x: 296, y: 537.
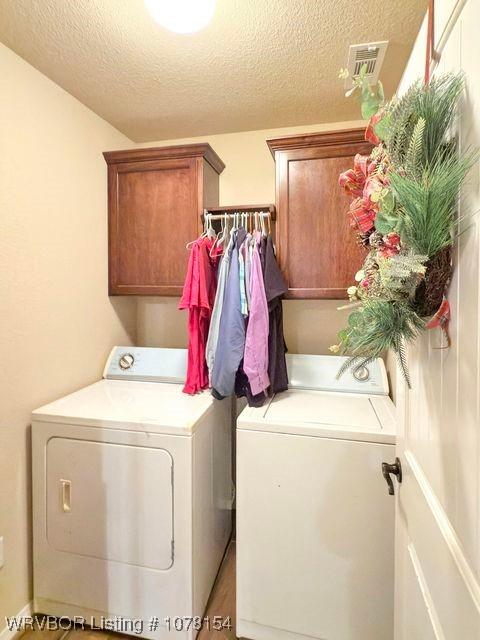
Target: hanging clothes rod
x: 218, y: 213
x: 221, y: 216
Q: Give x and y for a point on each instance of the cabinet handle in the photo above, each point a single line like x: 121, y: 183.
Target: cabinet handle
x: 66, y: 495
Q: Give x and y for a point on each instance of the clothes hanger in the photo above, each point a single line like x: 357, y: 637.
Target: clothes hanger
x: 221, y: 238
x: 216, y: 242
x: 206, y: 223
x: 211, y: 233
x: 190, y: 244
x: 262, y: 224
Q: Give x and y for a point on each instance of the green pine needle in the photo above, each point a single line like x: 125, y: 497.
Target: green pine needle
x: 435, y: 104
x: 378, y: 326
x: 427, y: 206
x: 414, y: 157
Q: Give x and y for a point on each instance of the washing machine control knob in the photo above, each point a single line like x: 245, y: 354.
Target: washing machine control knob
x: 126, y: 361
x: 362, y: 374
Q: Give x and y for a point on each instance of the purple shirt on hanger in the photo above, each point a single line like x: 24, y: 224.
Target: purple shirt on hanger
x: 255, y: 361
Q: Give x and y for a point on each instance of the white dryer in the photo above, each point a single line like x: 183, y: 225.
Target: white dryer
x: 315, y: 524
x: 131, y: 497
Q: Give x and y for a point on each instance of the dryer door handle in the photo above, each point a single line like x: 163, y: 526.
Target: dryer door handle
x: 66, y: 495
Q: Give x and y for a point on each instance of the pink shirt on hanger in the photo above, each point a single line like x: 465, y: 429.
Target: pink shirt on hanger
x: 198, y: 297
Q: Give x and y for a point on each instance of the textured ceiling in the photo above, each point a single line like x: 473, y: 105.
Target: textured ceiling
x: 259, y: 64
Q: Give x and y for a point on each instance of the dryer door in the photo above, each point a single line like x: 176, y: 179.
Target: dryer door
x: 110, y: 501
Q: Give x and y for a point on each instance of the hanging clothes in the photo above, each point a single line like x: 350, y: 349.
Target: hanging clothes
x: 263, y: 251
x: 275, y: 289
x: 235, y: 325
x: 198, y: 297
x: 244, y: 258
x: 255, y: 361
x: 246, y: 251
x: 214, y: 329
x: 231, y: 337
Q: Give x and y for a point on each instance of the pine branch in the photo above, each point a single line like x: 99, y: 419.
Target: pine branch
x: 380, y: 325
x: 401, y: 355
x: 414, y: 156
x: 348, y: 364
x: 354, y: 363
x: 436, y: 104
x: 427, y: 206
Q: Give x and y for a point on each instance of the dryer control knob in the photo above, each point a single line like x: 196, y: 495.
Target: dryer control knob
x: 362, y: 374
x: 126, y: 361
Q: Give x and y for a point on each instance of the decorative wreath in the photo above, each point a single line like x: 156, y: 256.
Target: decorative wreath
x: 403, y: 209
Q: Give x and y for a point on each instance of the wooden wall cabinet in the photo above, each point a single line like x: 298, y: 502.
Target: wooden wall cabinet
x: 317, y: 249
x: 155, y: 200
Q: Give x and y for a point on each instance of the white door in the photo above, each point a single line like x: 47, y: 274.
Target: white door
x: 438, y: 502
x: 110, y: 501
x: 436, y: 571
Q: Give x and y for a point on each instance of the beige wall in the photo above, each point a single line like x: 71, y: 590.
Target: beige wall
x: 249, y: 178
x: 249, y: 175
x: 310, y: 326
x: 56, y: 322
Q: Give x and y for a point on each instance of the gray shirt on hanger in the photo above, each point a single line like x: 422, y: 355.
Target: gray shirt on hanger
x: 213, y: 333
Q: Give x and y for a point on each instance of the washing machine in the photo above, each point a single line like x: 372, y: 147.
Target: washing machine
x: 132, y: 498
x: 315, y: 523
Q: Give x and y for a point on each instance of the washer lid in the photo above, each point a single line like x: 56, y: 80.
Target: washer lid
x: 324, y: 414
x: 135, y: 406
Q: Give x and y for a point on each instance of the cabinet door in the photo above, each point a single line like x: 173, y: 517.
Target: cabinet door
x: 153, y: 212
x: 317, y: 249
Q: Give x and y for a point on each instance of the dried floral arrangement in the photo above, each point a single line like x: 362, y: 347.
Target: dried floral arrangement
x: 403, y: 208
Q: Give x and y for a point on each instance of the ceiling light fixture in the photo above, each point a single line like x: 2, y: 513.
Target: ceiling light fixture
x: 182, y: 16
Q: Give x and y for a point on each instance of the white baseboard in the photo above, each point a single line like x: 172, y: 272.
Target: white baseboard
x: 6, y: 633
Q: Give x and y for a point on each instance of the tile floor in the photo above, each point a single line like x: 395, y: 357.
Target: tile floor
x: 221, y: 603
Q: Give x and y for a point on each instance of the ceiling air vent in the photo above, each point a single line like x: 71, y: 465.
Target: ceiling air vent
x: 370, y: 54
